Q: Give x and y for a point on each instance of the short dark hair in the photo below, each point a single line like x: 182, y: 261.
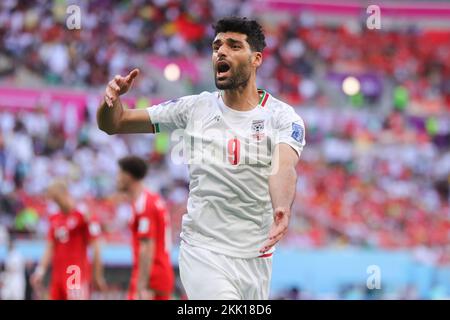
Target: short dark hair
x: 134, y: 166
x: 251, y: 28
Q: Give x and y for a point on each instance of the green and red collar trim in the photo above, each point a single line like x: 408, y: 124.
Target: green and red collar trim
x: 262, y: 101
x: 264, y: 97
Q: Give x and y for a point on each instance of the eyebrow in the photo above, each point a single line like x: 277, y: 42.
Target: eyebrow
x: 229, y: 40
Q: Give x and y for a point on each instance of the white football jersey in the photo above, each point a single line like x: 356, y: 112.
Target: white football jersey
x: 229, y: 155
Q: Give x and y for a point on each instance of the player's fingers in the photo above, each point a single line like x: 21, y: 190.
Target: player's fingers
x: 121, y: 81
x: 133, y: 74
x: 267, y: 245
x: 277, y: 229
x: 111, y: 93
x: 274, y: 238
x: 280, y: 236
x: 102, y: 286
x: 35, y: 282
x: 271, y: 242
x: 108, y: 101
x: 264, y: 248
x: 113, y: 85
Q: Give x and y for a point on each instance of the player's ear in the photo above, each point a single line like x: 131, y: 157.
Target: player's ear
x: 256, y: 59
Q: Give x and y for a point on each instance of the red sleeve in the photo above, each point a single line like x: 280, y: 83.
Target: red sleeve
x: 146, y: 226
x: 90, y: 225
x: 94, y: 228
x: 51, y: 231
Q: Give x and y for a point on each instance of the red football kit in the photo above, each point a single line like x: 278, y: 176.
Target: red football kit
x: 70, y: 234
x: 150, y: 220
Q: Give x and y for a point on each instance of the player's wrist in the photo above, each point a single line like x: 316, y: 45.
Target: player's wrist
x: 283, y: 209
x: 143, y: 286
x: 39, y: 271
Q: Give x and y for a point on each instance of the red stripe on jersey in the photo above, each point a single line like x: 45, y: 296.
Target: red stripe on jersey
x: 266, y: 255
x: 266, y: 96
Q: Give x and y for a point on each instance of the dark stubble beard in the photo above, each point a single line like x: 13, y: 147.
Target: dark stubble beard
x: 237, y: 80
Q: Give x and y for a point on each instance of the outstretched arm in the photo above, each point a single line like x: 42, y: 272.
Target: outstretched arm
x: 282, y: 186
x: 113, y: 118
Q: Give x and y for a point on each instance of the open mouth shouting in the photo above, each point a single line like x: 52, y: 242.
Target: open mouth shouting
x: 222, y: 69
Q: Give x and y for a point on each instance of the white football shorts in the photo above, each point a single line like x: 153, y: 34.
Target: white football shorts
x: 207, y: 275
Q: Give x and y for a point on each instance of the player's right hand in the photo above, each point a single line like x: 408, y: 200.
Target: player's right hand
x: 118, y: 86
x: 279, y: 228
x: 37, y: 279
x: 145, y: 294
x: 100, y: 283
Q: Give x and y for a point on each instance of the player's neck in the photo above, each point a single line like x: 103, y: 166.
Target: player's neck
x: 66, y: 208
x: 243, y: 98
x: 136, y: 190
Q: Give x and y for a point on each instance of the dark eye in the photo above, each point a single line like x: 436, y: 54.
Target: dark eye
x: 236, y: 46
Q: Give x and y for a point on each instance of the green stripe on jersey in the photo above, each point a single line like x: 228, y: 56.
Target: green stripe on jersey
x: 264, y: 93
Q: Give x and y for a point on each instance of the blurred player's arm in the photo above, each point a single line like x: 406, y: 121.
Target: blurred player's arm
x: 41, y: 269
x: 282, y: 185
x: 99, y: 279
x: 146, y: 253
x: 113, y: 118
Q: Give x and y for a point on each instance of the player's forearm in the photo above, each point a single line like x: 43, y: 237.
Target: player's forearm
x: 145, y: 263
x: 282, y: 184
x: 282, y: 187
x: 108, y: 118
x: 97, y: 261
x: 45, y: 260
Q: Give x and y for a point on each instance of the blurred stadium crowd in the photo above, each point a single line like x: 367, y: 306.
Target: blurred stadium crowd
x: 38, y: 48
x: 376, y: 169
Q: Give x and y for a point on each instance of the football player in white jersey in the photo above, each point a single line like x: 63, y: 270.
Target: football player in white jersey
x: 242, y: 146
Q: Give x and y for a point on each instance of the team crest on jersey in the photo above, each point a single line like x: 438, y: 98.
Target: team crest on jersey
x: 258, y: 129
x: 297, y: 132
x: 62, y: 234
x: 71, y: 223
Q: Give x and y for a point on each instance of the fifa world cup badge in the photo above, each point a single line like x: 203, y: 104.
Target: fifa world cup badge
x: 297, y: 132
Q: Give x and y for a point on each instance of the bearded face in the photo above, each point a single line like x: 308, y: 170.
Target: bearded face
x: 232, y: 61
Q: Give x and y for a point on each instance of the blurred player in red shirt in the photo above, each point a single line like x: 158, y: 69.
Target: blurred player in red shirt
x: 152, y: 276
x: 70, y: 233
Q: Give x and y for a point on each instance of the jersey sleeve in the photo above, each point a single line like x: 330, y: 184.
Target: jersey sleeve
x: 94, y: 229
x: 88, y: 222
x: 51, y: 232
x: 172, y: 114
x: 290, y: 129
x: 146, y: 225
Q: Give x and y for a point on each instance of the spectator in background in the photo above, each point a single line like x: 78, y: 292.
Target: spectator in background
x: 14, y: 275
